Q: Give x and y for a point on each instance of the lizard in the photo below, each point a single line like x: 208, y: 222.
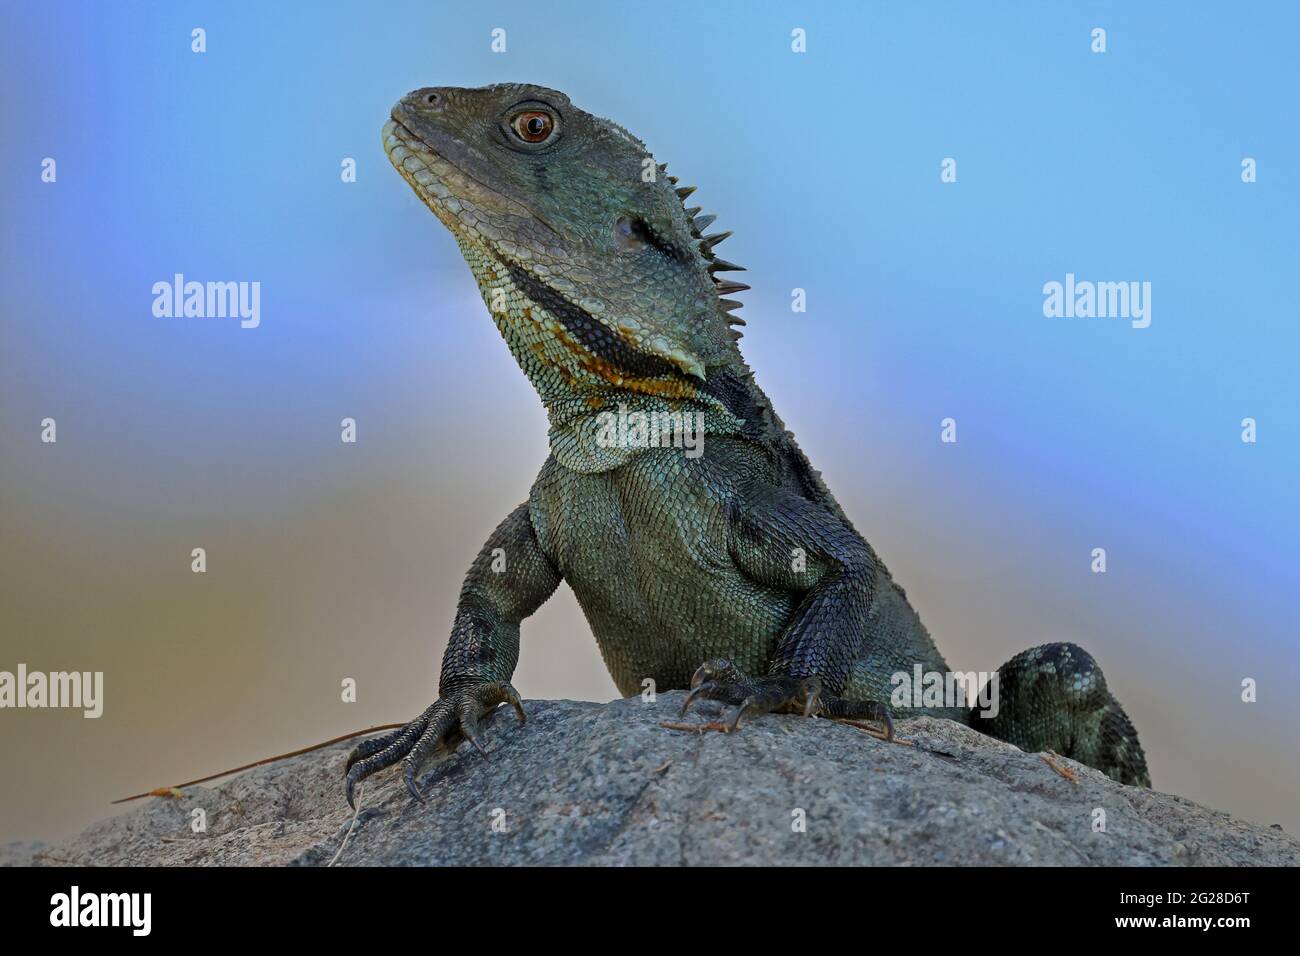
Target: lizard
x: 724, y: 565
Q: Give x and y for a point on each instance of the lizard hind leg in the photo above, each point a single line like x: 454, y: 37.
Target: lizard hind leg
x: 1054, y: 697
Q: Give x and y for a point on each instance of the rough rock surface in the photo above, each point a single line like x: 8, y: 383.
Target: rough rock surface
x: 585, y: 783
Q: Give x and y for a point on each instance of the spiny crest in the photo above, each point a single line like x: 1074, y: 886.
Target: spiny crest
x: 699, y: 223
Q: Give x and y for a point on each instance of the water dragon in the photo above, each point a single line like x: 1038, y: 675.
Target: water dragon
x: 731, y: 569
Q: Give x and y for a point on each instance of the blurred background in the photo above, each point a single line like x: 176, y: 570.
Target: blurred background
x: 328, y: 560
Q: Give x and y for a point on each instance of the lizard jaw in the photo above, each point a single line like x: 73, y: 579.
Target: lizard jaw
x: 462, y: 203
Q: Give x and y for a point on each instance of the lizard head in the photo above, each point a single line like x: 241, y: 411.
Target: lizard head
x: 595, y: 272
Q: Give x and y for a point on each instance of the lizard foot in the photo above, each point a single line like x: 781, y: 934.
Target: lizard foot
x: 453, y: 717
x: 723, y: 681
x: 855, y: 712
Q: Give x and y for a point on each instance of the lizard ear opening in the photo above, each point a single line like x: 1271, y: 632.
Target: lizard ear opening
x: 632, y: 234
x: 629, y: 233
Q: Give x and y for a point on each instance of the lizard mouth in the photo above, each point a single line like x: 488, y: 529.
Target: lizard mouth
x: 437, y: 172
x: 427, y: 172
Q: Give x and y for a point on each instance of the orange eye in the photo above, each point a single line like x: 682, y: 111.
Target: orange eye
x: 533, y: 126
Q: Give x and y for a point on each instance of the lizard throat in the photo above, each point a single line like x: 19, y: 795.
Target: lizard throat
x: 593, y: 336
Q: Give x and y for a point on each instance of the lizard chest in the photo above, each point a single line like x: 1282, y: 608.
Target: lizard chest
x: 644, y: 549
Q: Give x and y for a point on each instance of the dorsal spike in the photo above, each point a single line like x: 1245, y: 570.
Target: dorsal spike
x: 722, y: 265
x: 729, y: 304
x: 701, y: 222
x: 726, y: 287
x: 673, y: 180
x: 708, y: 242
x: 683, y: 191
x: 735, y: 320
x: 693, y: 212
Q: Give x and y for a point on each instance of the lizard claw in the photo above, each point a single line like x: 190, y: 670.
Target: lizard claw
x: 854, y: 711
x: 812, y: 696
x: 776, y: 693
x: 451, y: 718
x: 722, y: 680
x: 469, y: 727
x: 716, y: 679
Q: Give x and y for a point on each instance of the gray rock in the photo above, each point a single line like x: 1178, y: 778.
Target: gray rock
x: 585, y: 783
x: 22, y: 852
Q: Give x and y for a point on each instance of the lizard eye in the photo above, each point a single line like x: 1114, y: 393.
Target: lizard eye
x: 533, y: 126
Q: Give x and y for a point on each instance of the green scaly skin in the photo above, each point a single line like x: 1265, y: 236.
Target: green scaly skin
x: 733, y: 571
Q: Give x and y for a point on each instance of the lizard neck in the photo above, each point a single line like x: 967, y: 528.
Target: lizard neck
x: 598, y: 433
x: 601, y: 413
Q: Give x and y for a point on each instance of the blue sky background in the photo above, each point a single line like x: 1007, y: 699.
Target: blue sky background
x: 924, y: 302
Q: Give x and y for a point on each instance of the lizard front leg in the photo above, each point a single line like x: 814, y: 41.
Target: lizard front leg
x: 782, y: 540
x: 508, y: 581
